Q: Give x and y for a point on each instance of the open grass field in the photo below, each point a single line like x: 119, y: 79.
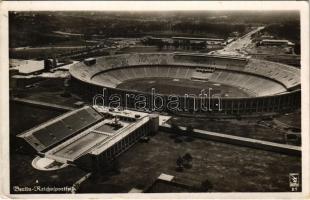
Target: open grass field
x: 229, y: 168
x: 181, y: 87
x: 254, y: 128
x: 49, y: 90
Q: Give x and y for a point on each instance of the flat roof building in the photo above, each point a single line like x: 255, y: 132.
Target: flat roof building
x: 267, y: 42
x: 90, y: 136
x: 27, y: 67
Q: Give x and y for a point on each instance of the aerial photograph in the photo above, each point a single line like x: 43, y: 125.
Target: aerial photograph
x: 154, y: 101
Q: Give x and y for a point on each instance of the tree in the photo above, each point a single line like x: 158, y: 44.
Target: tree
x: 187, y: 158
x: 179, y: 163
x: 206, y: 185
x: 178, y: 139
x: 160, y: 45
x: 189, y: 131
x: 174, y: 127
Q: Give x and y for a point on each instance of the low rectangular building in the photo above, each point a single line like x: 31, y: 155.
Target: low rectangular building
x: 27, y: 67
x: 267, y: 42
x: 90, y: 136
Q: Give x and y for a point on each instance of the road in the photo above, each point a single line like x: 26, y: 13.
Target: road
x: 238, y: 46
x: 43, y: 104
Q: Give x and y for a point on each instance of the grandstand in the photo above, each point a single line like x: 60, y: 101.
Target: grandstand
x: 53, y: 132
x: 258, y: 78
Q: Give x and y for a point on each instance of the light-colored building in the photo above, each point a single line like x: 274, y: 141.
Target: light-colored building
x: 26, y: 67
x: 90, y: 137
x: 267, y: 42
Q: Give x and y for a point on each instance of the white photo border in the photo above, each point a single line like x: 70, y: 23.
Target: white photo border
x: 6, y: 6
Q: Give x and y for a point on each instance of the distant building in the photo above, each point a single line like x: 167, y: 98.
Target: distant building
x: 90, y: 61
x: 229, y: 40
x: 90, y: 137
x: 184, y: 42
x: 168, y: 183
x: 267, y: 42
x: 267, y: 37
x: 27, y: 67
x: 149, y: 40
x: 48, y: 64
x: 193, y: 39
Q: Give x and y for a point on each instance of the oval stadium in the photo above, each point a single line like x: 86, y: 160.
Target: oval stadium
x: 232, y: 85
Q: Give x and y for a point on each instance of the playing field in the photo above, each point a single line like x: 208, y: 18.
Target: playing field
x: 182, y: 87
